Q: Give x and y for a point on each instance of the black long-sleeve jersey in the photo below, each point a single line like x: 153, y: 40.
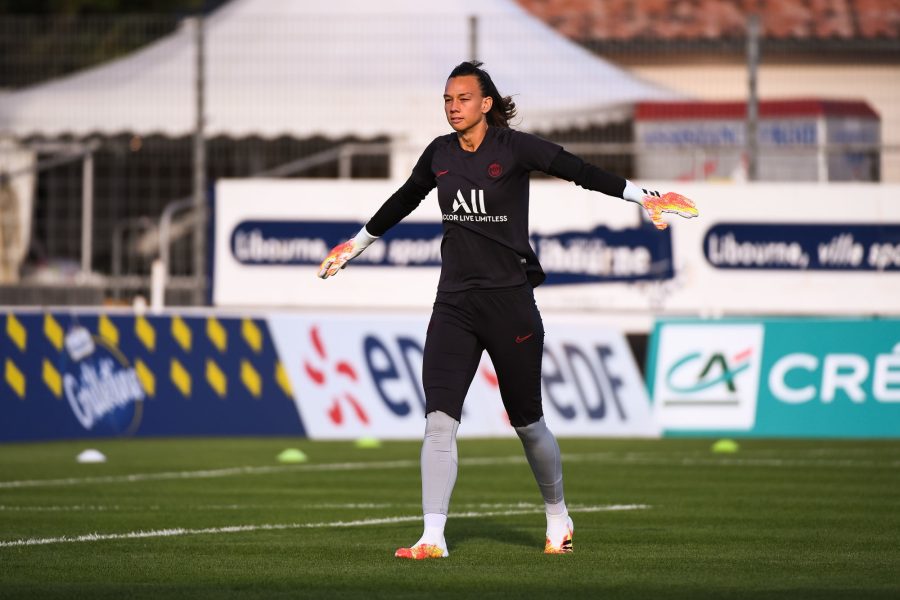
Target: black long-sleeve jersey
x: 483, y: 197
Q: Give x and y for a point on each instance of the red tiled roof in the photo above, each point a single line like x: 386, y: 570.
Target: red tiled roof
x: 623, y: 20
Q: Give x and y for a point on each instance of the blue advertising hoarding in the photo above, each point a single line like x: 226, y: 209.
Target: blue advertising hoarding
x: 803, y: 246
x: 76, y: 375
x: 598, y: 254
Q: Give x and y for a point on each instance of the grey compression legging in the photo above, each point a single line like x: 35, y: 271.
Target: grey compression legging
x: 439, y: 461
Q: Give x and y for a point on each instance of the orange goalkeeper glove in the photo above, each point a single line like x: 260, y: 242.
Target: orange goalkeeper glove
x: 655, y: 204
x: 341, y: 254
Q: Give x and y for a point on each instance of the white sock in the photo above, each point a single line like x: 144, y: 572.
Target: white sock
x: 556, y: 508
x: 557, y: 520
x: 434, y: 530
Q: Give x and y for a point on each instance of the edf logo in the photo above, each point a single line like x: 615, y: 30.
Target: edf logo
x: 362, y: 375
x: 576, y: 378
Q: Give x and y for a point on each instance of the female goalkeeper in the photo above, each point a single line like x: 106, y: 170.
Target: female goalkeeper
x: 485, y: 298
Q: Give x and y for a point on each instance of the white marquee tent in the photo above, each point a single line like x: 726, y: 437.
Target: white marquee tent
x: 335, y: 68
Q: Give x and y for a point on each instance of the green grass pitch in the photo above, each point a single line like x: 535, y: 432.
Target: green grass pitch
x: 222, y: 518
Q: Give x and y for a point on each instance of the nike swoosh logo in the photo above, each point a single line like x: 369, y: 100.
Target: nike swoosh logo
x: 443, y: 172
x: 522, y: 338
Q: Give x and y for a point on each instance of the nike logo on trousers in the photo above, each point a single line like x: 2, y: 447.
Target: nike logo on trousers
x: 522, y: 338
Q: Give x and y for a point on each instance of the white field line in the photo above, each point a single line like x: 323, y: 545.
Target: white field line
x: 232, y: 471
x: 210, y: 473
x: 723, y: 461
x: 604, y: 458
x: 70, y: 508
x: 206, y: 507
x: 156, y: 533
x: 719, y: 460
x: 209, y: 507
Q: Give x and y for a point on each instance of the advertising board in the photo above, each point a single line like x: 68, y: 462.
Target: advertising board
x: 271, y: 236
x: 360, y: 375
x: 696, y: 141
x: 80, y: 374
x: 777, y: 377
x: 760, y: 249
x: 87, y: 374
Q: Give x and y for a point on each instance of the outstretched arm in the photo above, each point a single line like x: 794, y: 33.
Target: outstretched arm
x: 401, y: 203
x: 566, y: 165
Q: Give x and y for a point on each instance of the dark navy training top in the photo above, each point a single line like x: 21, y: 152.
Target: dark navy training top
x: 483, y: 197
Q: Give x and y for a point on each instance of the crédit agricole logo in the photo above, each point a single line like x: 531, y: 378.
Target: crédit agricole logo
x: 707, y: 376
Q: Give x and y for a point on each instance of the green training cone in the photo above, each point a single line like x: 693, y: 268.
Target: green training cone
x: 368, y: 442
x: 292, y: 455
x: 725, y: 446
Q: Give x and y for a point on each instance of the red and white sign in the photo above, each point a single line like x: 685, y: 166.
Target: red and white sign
x: 360, y: 375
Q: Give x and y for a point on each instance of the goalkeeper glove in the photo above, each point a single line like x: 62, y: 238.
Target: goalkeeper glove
x: 341, y: 254
x: 655, y: 204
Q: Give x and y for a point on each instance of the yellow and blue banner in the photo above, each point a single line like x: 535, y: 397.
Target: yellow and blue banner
x: 82, y: 374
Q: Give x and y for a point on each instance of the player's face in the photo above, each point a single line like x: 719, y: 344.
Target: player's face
x: 464, y: 105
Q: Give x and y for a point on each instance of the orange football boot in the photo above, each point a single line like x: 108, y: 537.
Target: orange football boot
x: 421, y: 552
x: 563, y: 546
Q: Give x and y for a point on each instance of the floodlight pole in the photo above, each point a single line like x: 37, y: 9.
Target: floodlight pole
x: 87, y: 213
x: 752, y: 143
x: 199, y: 295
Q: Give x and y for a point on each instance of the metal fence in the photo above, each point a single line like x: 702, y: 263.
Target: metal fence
x: 104, y: 206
